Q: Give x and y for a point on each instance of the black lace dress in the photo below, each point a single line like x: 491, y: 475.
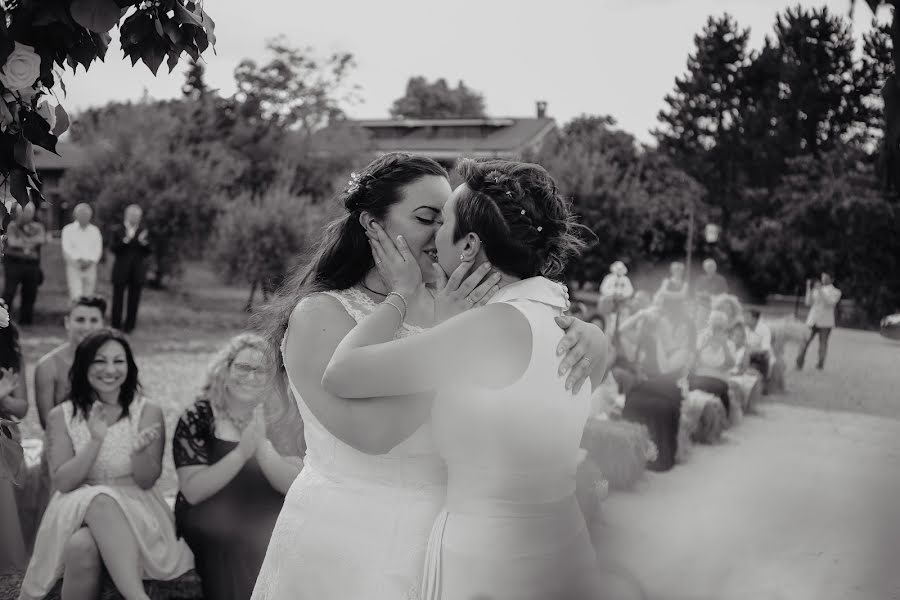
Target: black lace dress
x: 229, y: 532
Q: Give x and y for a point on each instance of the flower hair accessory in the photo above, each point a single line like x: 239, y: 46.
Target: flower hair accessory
x: 354, y: 184
x: 495, y: 176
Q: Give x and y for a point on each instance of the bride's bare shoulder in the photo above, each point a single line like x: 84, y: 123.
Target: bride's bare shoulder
x: 319, y: 314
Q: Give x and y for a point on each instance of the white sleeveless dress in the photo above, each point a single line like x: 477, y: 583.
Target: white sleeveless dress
x: 162, y: 555
x: 354, y: 526
x: 512, y: 528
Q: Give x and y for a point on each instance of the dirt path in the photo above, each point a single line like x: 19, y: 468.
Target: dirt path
x: 797, y: 504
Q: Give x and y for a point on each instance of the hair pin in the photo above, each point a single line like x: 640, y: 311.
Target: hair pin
x: 523, y: 211
x: 353, y: 184
x: 509, y: 193
x: 540, y: 229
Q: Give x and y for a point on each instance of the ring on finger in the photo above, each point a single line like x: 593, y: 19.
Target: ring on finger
x: 470, y: 301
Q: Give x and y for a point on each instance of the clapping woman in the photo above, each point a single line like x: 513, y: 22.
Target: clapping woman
x: 232, y: 478
x: 105, y: 454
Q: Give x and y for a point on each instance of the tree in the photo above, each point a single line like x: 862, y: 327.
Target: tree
x: 833, y: 217
x: 194, y: 83
x: 295, y: 89
x: 890, y: 145
x: 424, y: 100
x: 635, y: 201
x: 132, y: 153
x: 293, y: 103
x: 819, y: 102
x: 39, y: 39
x: 257, y: 240
x: 702, y: 123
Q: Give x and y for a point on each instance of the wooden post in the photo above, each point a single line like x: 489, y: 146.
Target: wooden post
x: 690, y: 246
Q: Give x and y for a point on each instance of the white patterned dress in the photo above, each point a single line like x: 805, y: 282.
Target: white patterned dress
x: 162, y: 556
x: 354, y: 526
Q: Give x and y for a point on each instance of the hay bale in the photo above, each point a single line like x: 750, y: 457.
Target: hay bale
x: 620, y: 450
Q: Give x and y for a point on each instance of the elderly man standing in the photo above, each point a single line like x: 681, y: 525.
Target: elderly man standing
x: 82, y: 247
x: 822, y: 298
x: 130, y: 242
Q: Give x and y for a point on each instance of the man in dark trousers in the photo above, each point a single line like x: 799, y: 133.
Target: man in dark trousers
x: 130, y: 243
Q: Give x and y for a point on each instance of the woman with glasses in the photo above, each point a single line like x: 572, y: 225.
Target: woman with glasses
x: 232, y: 479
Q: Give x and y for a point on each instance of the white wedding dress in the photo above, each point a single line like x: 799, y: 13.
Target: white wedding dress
x: 354, y: 526
x: 512, y: 528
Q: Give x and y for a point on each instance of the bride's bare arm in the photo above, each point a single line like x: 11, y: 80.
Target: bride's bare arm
x: 373, y: 426
x: 489, y: 345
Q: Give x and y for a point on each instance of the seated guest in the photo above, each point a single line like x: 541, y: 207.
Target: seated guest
x: 232, y: 479
x: 13, y: 399
x: 759, y: 344
x: 51, y: 374
x: 714, y: 359
x: 665, y: 348
x: 105, y: 455
x: 13, y: 406
x: 51, y: 386
x: 674, y: 285
x: 745, y: 380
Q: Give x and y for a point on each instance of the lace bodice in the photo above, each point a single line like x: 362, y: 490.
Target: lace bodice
x: 412, y: 463
x: 114, y: 458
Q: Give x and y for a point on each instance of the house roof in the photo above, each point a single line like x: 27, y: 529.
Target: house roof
x: 450, y: 138
x: 69, y: 156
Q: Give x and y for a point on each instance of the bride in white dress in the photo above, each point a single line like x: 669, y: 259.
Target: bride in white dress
x: 356, y: 522
x: 505, y: 422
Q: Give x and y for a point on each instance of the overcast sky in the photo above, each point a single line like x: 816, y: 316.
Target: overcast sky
x: 616, y: 57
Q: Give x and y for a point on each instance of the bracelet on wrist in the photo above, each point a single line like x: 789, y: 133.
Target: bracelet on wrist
x: 402, y: 299
x: 399, y: 310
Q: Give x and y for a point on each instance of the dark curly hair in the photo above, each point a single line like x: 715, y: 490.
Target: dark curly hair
x: 81, y: 393
x: 343, y: 256
x: 525, y: 224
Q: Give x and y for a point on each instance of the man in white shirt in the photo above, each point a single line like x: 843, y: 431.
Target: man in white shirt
x: 822, y: 298
x: 82, y: 247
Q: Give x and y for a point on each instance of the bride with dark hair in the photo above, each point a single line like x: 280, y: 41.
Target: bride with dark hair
x: 355, y: 524
x: 506, y: 423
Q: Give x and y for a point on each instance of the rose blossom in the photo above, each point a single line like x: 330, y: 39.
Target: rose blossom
x: 22, y: 68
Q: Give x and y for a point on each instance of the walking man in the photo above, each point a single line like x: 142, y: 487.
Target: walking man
x: 130, y: 244
x: 82, y: 247
x: 822, y: 298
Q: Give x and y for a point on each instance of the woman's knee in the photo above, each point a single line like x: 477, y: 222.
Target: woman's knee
x: 81, y: 552
x: 101, y: 506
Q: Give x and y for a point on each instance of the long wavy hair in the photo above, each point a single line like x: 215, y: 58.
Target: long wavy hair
x: 342, y: 256
x: 81, y: 393
x: 10, y: 351
x: 217, y: 372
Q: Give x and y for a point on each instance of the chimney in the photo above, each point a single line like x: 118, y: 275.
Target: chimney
x: 541, y: 109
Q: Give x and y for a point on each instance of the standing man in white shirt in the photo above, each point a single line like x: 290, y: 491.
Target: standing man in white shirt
x: 822, y: 298
x: 82, y: 247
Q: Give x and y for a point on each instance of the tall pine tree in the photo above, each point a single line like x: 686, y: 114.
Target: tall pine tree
x: 701, y: 125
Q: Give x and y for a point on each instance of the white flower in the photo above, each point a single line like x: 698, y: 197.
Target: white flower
x: 48, y: 111
x: 22, y: 68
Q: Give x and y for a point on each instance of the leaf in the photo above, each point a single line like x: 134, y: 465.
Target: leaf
x: 37, y: 130
x: 96, y: 15
x: 4, y: 221
x: 183, y: 15
x: 36, y: 198
x: 62, y: 120
x: 173, y: 61
x: 152, y: 57
x: 24, y: 154
x: 17, y: 183
x: 159, y: 28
